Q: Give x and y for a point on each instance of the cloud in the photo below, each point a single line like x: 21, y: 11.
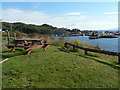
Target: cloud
x: 16, y: 15
x: 38, y: 18
x: 96, y: 25
x: 110, y: 13
x: 73, y: 13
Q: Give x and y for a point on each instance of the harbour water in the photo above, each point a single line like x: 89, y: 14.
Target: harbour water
x: 109, y: 44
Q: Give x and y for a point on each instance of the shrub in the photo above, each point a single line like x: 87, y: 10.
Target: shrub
x: 78, y: 43
x: 58, y: 42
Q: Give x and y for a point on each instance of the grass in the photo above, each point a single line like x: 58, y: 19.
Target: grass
x: 4, y: 39
x: 59, y: 68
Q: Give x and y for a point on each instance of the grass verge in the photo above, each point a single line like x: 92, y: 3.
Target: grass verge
x: 59, y: 68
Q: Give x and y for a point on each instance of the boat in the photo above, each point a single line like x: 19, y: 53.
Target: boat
x: 93, y: 37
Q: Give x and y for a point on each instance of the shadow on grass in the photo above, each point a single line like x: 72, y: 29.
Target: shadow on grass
x: 18, y: 52
x: 64, y: 50
x: 103, y: 62
x: 9, y: 51
x: 90, y: 56
x: 68, y: 51
x: 9, y: 54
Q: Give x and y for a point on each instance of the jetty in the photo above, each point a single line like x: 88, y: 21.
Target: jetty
x: 108, y: 36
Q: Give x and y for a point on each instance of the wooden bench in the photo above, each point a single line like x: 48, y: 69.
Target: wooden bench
x: 28, y: 44
x: 27, y: 48
x: 12, y: 46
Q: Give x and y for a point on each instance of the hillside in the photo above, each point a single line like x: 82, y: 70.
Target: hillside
x: 31, y: 28
x: 59, y: 68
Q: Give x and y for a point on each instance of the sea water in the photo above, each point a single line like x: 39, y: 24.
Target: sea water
x: 109, y: 44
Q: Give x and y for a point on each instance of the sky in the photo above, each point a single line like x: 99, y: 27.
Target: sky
x: 81, y: 15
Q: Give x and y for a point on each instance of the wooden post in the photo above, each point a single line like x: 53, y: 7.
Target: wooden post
x: 13, y: 49
x: 29, y: 51
x: 118, y: 58
x: 8, y: 35
x: 14, y: 35
x: 73, y: 48
x: 65, y: 45
x: 86, y: 52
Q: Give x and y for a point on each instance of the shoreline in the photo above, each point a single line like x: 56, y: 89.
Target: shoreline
x: 109, y: 44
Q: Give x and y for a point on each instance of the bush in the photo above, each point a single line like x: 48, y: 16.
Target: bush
x: 58, y: 42
x: 78, y: 43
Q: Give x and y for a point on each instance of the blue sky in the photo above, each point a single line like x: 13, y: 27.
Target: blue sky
x: 82, y: 15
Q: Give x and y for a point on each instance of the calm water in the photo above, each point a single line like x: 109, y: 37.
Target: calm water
x: 109, y: 44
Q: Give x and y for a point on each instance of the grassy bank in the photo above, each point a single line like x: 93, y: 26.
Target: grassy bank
x: 59, y: 68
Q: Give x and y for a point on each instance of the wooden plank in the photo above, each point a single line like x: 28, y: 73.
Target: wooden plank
x: 28, y: 39
x: 11, y: 46
x: 97, y: 51
x: 35, y: 47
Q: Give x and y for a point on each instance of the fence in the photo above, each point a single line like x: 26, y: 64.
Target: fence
x: 94, y: 50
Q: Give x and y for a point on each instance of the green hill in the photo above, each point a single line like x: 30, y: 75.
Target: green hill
x: 31, y: 28
x: 59, y: 68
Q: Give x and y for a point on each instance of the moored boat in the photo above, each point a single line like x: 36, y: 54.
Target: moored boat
x: 93, y: 37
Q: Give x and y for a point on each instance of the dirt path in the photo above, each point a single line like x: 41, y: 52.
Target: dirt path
x: 3, y: 60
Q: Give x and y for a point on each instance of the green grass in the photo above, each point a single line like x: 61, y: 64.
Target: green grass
x: 58, y: 68
x: 5, y: 39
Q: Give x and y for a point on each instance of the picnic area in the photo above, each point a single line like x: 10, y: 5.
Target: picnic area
x: 27, y: 63
x: 58, y: 67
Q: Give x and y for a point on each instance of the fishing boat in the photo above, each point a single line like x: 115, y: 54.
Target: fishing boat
x: 93, y: 37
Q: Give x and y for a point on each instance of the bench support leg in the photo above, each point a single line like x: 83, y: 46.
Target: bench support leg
x: 13, y: 49
x: 29, y: 51
x: 44, y: 47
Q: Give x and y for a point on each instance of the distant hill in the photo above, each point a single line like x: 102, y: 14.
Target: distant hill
x: 112, y: 30
x: 31, y: 28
